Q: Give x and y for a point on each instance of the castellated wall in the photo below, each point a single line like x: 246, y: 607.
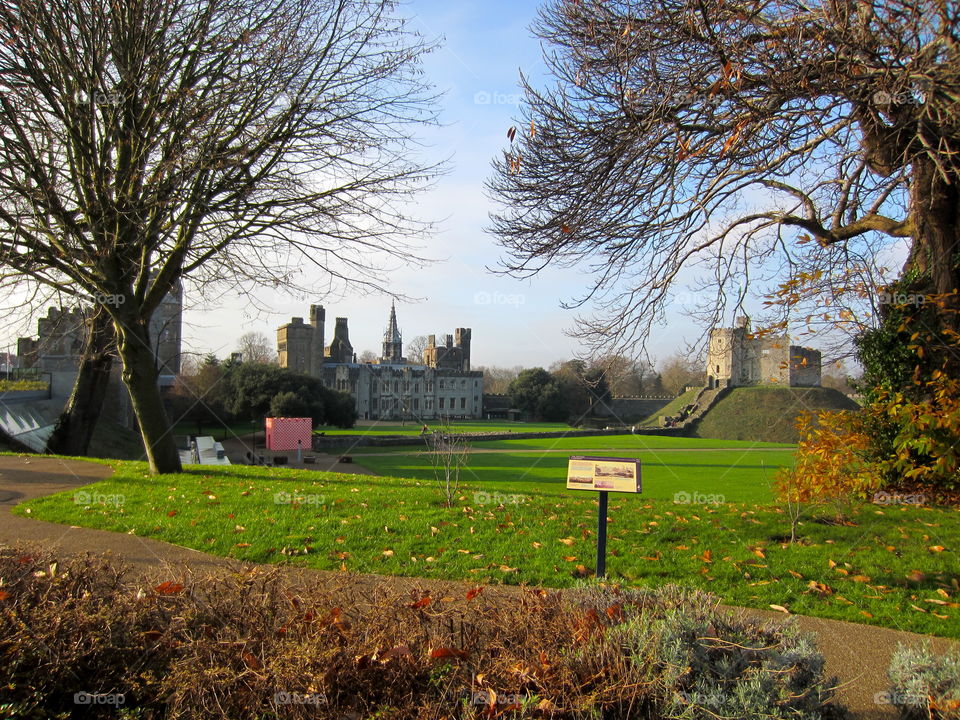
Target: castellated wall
x: 773, y: 355
x: 804, y: 367
x: 735, y: 359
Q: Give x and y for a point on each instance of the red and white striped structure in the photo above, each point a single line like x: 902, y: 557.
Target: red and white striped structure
x: 284, y: 433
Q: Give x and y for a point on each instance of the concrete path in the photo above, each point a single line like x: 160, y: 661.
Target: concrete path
x: 857, y: 654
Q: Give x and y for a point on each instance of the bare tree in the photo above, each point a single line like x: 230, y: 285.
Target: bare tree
x: 781, y: 145
x: 496, y: 380
x: 256, y: 347
x: 74, y: 429
x: 415, y: 349
x: 680, y: 371
x: 448, y: 453
x: 368, y: 356
x: 228, y: 141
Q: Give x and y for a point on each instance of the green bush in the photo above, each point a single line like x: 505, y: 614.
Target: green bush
x: 254, y: 645
x: 924, y: 685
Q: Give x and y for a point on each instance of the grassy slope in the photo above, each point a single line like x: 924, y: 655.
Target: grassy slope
x: 767, y: 413
x: 673, y: 407
x: 882, y: 567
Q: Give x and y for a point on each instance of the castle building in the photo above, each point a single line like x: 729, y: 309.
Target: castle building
x: 735, y: 359
x: 61, y: 336
x: 389, y: 387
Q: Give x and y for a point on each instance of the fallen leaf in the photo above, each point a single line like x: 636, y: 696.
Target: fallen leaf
x: 936, y: 548
x: 780, y: 608
x: 168, y: 588
x: 250, y: 660
x: 567, y: 541
x: 447, y: 652
x: 473, y: 592
x: 421, y: 603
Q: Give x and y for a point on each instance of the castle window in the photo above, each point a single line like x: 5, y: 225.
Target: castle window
x: 416, y: 403
x: 463, y: 403
x: 441, y: 403
x: 441, y: 384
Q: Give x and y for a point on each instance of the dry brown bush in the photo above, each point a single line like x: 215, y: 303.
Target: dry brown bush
x: 259, y: 645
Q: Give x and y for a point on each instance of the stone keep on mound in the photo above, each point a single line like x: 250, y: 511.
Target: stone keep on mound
x: 735, y: 359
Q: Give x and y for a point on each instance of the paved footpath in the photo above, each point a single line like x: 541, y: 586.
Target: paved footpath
x: 857, y: 654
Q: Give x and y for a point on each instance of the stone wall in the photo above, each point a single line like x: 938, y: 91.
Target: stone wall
x: 631, y: 409
x: 323, y: 442
x: 804, y: 367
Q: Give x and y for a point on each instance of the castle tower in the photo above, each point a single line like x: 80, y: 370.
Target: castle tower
x: 317, y: 319
x: 462, y: 341
x: 392, y: 342
x: 340, y: 350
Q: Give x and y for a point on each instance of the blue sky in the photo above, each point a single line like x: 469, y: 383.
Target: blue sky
x: 485, y: 46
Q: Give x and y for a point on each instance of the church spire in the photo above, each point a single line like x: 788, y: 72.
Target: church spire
x: 392, y: 341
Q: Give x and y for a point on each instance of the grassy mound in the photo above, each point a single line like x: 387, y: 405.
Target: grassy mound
x: 767, y: 413
x: 674, y: 406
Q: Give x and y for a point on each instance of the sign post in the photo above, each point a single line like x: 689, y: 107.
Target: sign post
x: 602, y: 535
x: 605, y: 475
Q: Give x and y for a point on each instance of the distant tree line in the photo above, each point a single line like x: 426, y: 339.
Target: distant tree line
x: 571, y: 390
x: 221, y: 392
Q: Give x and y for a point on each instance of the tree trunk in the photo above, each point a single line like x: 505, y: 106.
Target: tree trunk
x: 935, y: 256
x: 140, y: 376
x: 75, y: 426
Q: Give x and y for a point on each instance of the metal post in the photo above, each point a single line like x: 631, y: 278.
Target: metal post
x: 602, y: 536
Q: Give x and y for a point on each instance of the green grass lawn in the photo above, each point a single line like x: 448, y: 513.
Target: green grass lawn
x: 894, y: 566
x: 729, y: 475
